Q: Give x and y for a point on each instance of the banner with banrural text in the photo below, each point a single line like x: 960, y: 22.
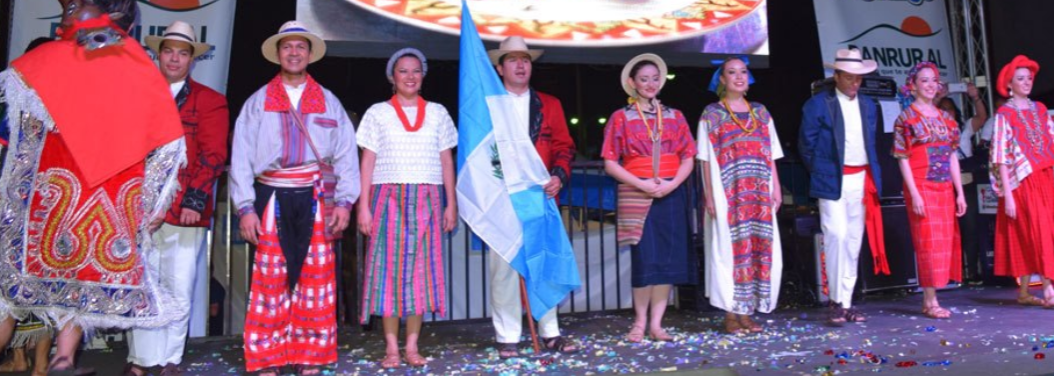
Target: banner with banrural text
x: 895, y: 33
x: 213, y: 21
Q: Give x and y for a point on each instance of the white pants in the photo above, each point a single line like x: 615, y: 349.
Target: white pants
x: 842, y: 221
x: 505, y: 305
x: 184, y: 271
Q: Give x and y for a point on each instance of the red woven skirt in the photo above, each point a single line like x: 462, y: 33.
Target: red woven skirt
x: 936, y: 235
x: 1025, y: 245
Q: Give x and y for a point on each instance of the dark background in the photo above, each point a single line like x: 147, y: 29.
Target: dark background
x: 591, y: 92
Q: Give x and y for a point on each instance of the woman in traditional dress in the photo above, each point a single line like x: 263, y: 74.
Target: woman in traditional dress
x: 407, y: 168
x: 925, y: 139
x: 739, y: 146
x: 648, y: 148
x: 1022, y: 157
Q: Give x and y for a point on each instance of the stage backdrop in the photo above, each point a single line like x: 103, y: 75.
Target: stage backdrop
x: 896, y: 34
x: 684, y: 32
x: 213, y: 21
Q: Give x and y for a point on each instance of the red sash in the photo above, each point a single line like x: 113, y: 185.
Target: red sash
x: 873, y: 221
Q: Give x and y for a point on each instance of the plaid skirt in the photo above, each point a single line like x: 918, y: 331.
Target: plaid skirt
x: 1025, y: 245
x: 936, y: 235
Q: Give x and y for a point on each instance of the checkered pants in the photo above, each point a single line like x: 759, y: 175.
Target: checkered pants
x: 299, y: 329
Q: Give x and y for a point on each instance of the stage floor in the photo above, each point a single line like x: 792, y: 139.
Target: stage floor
x: 989, y: 334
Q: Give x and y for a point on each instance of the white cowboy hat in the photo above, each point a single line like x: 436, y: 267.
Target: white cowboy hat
x: 293, y: 29
x: 511, y: 44
x: 181, y: 32
x: 659, y: 63
x: 850, y: 61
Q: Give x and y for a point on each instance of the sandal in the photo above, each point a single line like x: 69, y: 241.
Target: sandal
x: 130, y: 369
x: 560, y: 345
x: 69, y: 370
x: 748, y: 324
x: 854, y: 315
x: 732, y: 326
x: 414, y: 359
x: 1049, y: 303
x: 391, y: 361
x: 660, y: 336
x: 636, y: 334
x: 1030, y: 300
x: 508, y: 350
x: 836, y: 315
x: 936, y: 312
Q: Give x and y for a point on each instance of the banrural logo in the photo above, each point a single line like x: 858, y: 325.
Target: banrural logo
x: 898, y: 56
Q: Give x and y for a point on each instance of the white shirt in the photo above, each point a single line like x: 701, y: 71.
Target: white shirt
x: 294, y: 93
x: 855, y: 148
x: 176, y: 87
x: 405, y: 157
x: 522, y: 105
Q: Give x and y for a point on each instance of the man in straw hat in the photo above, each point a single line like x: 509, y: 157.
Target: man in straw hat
x: 95, y: 148
x: 837, y: 145
x: 293, y: 146
x: 181, y: 238
x: 548, y: 131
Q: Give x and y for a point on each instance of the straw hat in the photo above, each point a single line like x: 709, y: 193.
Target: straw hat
x: 293, y: 29
x: 659, y: 63
x: 181, y: 32
x: 511, y: 44
x: 851, y: 61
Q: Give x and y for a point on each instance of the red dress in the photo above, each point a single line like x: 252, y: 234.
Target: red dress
x: 1025, y: 245
x: 929, y: 144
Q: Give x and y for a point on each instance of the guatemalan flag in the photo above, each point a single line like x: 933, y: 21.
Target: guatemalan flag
x: 500, y: 179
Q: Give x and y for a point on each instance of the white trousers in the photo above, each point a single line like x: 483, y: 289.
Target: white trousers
x: 842, y: 221
x: 184, y: 271
x: 506, y: 310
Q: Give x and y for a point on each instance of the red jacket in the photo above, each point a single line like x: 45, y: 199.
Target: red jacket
x: 548, y: 130
x: 206, y: 124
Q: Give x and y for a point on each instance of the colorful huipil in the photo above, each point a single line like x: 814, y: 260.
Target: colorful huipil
x: 404, y: 257
x: 664, y: 254
x: 1023, y: 144
x: 74, y: 209
x: 929, y: 144
x: 744, y: 263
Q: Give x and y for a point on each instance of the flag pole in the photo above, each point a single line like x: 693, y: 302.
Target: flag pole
x: 530, y: 317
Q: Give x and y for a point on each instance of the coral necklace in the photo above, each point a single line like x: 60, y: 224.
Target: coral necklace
x: 402, y: 115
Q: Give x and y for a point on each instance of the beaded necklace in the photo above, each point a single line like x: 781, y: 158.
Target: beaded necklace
x: 938, y: 128
x: 752, y: 123
x: 1033, y: 131
x: 653, y: 135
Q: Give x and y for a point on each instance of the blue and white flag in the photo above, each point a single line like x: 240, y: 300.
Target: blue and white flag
x: 500, y: 180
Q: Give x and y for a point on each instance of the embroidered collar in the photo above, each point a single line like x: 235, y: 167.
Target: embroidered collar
x: 312, y: 102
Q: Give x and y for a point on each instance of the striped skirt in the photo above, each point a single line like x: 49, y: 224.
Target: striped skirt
x: 404, y: 255
x: 936, y: 235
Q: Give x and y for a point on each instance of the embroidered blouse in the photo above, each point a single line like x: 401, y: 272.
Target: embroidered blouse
x: 928, y: 143
x: 405, y: 157
x: 1022, y: 141
x: 626, y: 135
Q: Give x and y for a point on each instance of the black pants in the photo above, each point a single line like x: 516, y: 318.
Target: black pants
x: 294, y: 219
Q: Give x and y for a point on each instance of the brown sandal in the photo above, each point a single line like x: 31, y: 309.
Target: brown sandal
x: 836, y: 315
x: 414, y: 359
x: 560, y: 345
x: 660, y: 336
x: 732, y: 326
x: 1030, y: 300
x: 508, y: 350
x: 747, y: 323
x: 936, y: 312
x: 391, y: 361
x: 636, y: 334
x: 854, y: 315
